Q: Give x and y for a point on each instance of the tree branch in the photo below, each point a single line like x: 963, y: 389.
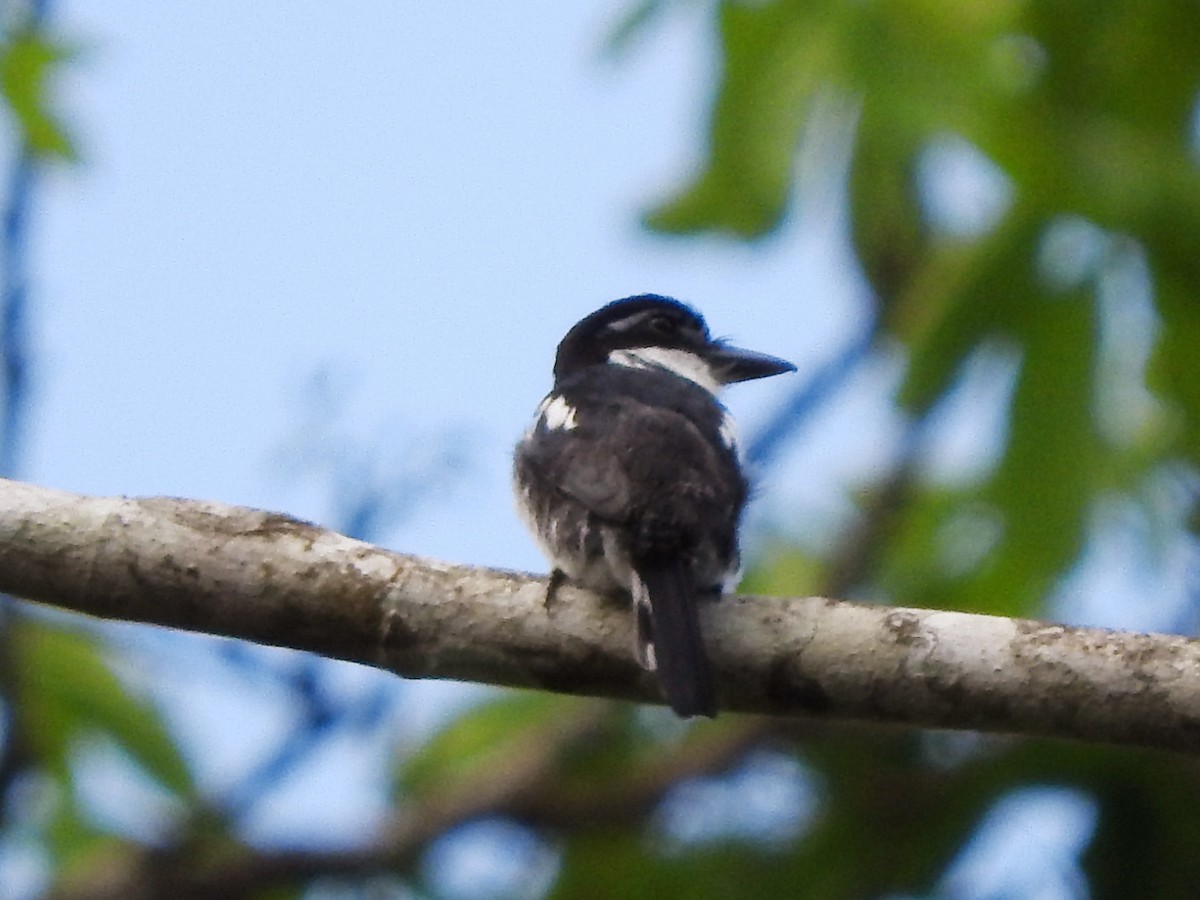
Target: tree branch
x: 272, y: 579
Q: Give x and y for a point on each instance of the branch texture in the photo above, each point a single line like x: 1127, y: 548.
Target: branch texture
x: 268, y: 578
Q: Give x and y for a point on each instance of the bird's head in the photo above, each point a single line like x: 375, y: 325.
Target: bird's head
x: 649, y: 330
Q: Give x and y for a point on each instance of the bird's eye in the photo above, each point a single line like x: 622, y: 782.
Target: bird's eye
x: 663, y: 324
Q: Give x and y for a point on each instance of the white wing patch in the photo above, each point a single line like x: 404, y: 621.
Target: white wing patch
x: 729, y: 433
x: 682, y: 362
x: 555, y: 413
x: 643, y: 638
x: 733, y: 577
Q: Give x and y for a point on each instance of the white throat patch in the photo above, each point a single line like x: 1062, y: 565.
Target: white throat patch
x: 682, y: 362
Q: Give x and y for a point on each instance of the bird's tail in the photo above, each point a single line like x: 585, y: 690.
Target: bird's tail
x: 668, y: 636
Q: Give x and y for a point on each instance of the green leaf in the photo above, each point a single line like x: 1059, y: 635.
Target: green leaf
x: 1171, y: 234
x: 782, y: 569
x: 1042, y: 488
x: 480, y: 739
x: 77, y: 847
x: 1175, y: 375
x: 28, y: 61
x: 66, y: 691
x: 885, y: 215
x: 942, y: 540
x: 627, y: 865
x: 1044, y: 484
x: 961, y: 297
x: 774, y: 55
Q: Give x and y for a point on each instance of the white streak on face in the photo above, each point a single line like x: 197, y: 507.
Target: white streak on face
x: 683, y: 363
x: 555, y: 412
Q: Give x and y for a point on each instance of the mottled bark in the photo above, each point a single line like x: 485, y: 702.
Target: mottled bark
x: 272, y: 579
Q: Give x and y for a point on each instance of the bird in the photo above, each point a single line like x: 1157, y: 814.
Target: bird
x: 631, y: 481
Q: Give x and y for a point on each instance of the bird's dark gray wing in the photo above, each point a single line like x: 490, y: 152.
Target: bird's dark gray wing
x: 585, y: 470
x: 634, y: 459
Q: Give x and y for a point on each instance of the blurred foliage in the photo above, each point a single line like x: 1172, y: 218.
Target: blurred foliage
x: 1086, y: 276
x: 29, y: 59
x: 1089, y: 111
x: 1081, y: 279
x: 65, y: 698
x: 66, y: 691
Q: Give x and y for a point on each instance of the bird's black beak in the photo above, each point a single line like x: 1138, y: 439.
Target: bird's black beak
x: 730, y: 364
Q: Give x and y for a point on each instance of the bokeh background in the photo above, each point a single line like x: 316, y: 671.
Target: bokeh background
x: 316, y: 257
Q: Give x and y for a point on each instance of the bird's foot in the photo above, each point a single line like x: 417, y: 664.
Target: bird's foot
x: 557, y: 579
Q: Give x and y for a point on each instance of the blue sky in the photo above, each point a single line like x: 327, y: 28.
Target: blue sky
x: 419, y: 197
